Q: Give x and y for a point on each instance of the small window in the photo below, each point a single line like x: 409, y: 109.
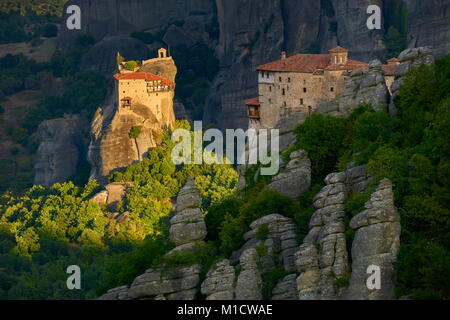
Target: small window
x: 332, y: 89
x: 301, y: 101
x: 270, y: 88
x: 304, y: 81
x: 284, y: 103
x: 270, y: 100
x: 279, y: 79
x: 284, y: 92
x: 289, y: 80
x: 267, y: 75
x: 304, y: 90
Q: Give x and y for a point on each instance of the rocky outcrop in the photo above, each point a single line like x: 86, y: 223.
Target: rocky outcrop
x: 187, y: 225
x: 296, y: 179
x: 166, y: 283
x: 249, y: 281
x: 286, y: 288
x: 220, y: 282
x: 113, y: 194
x: 376, y: 243
x: 171, y: 284
x: 111, y: 146
x: 409, y: 59
x: 323, y: 258
x: 362, y: 88
x: 280, y: 243
x: 61, y: 149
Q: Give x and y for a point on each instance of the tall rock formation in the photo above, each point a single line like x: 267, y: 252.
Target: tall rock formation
x: 113, y: 146
x: 167, y: 283
x: 323, y: 257
x: 60, y: 151
x: 376, y: 243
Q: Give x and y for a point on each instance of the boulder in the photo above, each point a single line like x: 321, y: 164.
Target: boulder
x: 296, y: 179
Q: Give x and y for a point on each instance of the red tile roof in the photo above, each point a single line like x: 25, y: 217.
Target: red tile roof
x: 252, y: 101
x: 389, y: 69
x: 142, y: 76
x: 338, y: 49
x: 309, y: 63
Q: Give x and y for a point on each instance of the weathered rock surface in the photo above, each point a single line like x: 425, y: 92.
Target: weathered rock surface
x: 102, y: 57
x: 175, y: 284
x: 323, y: 258
x: 376, y: 243
x: 220, y: 282
x: 409, y: 59
x: 111, y: 147
x: 362, y: 87
x: 296, y: 180
x: 286, y: 288
x: 249, y: 281
x: 428, y: 25
x: 281, y: 241
x: 250, y: 33
x: 60, y: 150
x: 187, y: 225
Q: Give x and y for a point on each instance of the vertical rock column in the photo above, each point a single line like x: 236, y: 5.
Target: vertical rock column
x: 376, y: 243
x: 323, y: 256
x: 187, y: 226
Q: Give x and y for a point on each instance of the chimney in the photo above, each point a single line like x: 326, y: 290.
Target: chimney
x: 283, y: 55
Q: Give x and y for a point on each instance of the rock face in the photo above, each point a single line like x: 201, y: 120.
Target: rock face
x: 428, y: 24
x: 362, y: 87
x: 377, y: 242
x: 410, y: 58
x: 249, y: 33
x: 187, y: 225
x: 102, y: 57
x: 175, y: 284
x: 220, y: 282
x: 286, y: 288
x: 249, y: 281
x: 323, y: 258
x: 280, y: 242
x: 60, y: 150
x: 296, y: 180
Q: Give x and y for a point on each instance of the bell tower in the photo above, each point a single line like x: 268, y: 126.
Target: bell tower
x: 339, y: 56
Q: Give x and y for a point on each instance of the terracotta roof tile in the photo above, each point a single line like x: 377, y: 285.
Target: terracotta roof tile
x: 252, y: 101
x: 142, y: 76
x: 309, y: 63
x: 389, y: 69
x: 338, y: 49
